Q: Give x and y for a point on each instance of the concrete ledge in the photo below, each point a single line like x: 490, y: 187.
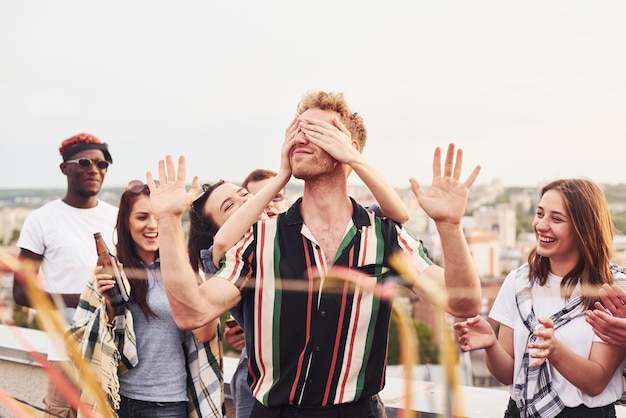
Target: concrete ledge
x: 16, y: 343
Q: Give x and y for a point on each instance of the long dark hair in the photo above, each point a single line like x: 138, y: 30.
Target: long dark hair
x: 127, y: 254
x: 593, y: 228
x: 202, y: 227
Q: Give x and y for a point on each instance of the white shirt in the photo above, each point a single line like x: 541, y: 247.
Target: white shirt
x: 576, y: 334
x: 63, y: 234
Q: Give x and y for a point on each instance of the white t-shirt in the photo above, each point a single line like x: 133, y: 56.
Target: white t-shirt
x: 63, y: 234
x: 576, y: 334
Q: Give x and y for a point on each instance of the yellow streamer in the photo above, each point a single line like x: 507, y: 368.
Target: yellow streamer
x: 449, y: 351
x: 54, y: 324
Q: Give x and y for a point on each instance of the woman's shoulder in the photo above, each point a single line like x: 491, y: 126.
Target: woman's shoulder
x: 518, y: 273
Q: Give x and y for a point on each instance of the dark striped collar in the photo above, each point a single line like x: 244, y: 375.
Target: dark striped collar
x: 293, y: 216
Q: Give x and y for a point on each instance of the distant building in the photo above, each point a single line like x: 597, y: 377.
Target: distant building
x: 485, y: 250
x: 521, y: 202
x: 500, y: 220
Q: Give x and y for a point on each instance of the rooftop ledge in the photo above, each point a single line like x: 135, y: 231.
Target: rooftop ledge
x: 429, y: 398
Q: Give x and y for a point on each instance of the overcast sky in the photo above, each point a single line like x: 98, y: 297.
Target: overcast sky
x: 531, y: 90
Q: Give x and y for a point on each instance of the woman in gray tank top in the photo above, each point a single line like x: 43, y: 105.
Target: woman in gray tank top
x: 161, y: 369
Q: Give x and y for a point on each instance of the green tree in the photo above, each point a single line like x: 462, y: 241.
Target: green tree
x: 524, y: 219
x: 428, y: 352
x: 22, y: 317
x: 619, y: 219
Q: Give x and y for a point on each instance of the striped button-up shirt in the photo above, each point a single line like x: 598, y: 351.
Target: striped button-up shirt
x: 311, y: 342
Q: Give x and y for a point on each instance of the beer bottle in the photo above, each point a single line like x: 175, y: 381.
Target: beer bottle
x: 118, y: 295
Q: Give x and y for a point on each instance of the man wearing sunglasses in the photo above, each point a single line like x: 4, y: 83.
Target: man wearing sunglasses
x: 58, y: 238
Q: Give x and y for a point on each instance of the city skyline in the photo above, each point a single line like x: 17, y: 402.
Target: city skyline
x: 530, y: 91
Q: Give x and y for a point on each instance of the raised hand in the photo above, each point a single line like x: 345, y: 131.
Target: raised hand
x: 447, y: 196
x: 475, y: 333
x: 170, y: 197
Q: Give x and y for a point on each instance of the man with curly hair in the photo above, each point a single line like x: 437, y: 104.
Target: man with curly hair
x: 318, y: 349
x: 58, y: 238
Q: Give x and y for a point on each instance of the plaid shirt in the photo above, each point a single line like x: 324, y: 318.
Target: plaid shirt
x: 111, y: 350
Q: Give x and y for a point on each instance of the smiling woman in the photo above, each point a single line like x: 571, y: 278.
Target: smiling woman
x: 162, y: 361
x: 545, y: 350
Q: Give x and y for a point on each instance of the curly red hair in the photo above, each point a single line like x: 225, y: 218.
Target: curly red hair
x: 81, y: 142
x: 81, y: 138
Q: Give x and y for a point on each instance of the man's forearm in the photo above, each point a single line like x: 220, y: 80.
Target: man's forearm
x: 461, y: 276
x: 178, y: 276
x: 20, y: 297
x: 192, y: 306
x: 70, y: 299
x: 19, y: 294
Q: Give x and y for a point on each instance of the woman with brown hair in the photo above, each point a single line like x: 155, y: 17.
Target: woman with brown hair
x: 545, y: 350
x: 148, y: 367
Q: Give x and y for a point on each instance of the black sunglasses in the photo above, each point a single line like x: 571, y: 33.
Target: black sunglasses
x: 205, y: 187
x: 138, y: 186
x: 86, y: 162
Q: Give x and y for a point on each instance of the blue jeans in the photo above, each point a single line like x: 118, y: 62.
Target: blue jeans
x: 240, y: 389
x: 132, y: 408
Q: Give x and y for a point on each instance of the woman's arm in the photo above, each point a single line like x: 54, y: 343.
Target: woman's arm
x: 241, y: 221
x: 244, y: 217
x: 476, y: 333
x: 391, y: 206
x: 590, y: 375
x: 336, y: 140
x: 499, y: 357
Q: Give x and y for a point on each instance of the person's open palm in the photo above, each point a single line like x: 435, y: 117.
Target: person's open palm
x: 447, y: 196
x: 170, y: 197
x: 475, y: 333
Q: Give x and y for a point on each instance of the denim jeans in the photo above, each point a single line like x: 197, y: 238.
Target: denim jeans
x: 240, y: 389
x: 132, y: 408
